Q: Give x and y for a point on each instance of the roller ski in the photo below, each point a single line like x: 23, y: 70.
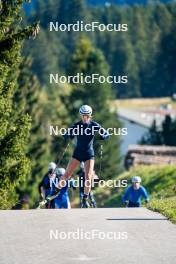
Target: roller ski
x: 85, y: 203
x: 93, y: 204
x: 48, y: 199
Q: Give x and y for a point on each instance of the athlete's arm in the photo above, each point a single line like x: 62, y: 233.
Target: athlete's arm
x: 102, y: 132
x: 125, y: 197
x: 145, y: 195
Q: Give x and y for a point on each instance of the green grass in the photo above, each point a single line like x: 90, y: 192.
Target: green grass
x: 160, y: 182
x: 166, y: 206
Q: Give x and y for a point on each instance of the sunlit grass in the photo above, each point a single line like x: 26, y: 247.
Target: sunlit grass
x: 165, y: 206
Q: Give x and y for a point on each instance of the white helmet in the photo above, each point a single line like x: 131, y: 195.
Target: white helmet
x: 85, y: 110
x: 52, y: 166
x: 136, y: 179
x: 61, y: 171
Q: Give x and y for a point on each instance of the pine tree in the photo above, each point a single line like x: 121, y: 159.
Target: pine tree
x: 153, y: 136
x: 165, y: 74
x: 29, y: 100
x: 76, y: 8
x: 14, y: 164
x: 124, y: 63
x: 45, y: 108
x: 168, y: 131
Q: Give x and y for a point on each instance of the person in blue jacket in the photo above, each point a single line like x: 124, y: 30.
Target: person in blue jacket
x: 62, y: 200
x: 134, y: 193
x: 84, y: 132
x: 49, y: 184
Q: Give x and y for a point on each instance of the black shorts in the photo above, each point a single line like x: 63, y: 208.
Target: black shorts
x: 82, y: 157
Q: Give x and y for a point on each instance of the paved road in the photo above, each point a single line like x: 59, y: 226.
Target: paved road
x: 33, y: 237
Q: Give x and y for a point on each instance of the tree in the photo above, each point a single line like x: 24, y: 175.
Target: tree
x: 168, y: 131
x: 161, y: 136
x: 152, y: 137
x: 14, y: 164
x: 29, y: 100
x: 165, y: 74
x: 138, y: 53
x: 45, y: 108
x: 74, y: 7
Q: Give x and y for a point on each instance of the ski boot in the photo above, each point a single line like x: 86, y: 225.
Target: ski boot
x: 85, y: 203
x: 92, y: 200
x: 93, y: 204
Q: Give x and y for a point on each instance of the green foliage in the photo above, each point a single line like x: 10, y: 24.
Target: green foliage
x: 163, y: 136
x: 14, y: 164
x: 28, y: 101
x: 145, y: 52
x: 45, y: 109
x: 166, y: 207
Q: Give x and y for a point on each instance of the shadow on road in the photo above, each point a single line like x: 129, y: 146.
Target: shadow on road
x: 137, y: 219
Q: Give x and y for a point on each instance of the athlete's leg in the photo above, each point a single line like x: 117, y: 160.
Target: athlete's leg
x: 58, y: 203
x: 69, y: 171
x: 66, y: 203
x: 89, y: 171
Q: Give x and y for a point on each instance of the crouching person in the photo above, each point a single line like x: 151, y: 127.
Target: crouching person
x: 47, y: 187
x: 134, y: 193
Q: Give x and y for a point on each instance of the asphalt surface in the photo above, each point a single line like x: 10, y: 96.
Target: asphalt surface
x: 133, y: 235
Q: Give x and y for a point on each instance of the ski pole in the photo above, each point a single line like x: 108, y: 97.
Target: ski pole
x: 62, y: 156
x: 101, y: 157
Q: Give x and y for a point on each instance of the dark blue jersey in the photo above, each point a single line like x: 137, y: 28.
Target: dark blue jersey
x: 84, y: 134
